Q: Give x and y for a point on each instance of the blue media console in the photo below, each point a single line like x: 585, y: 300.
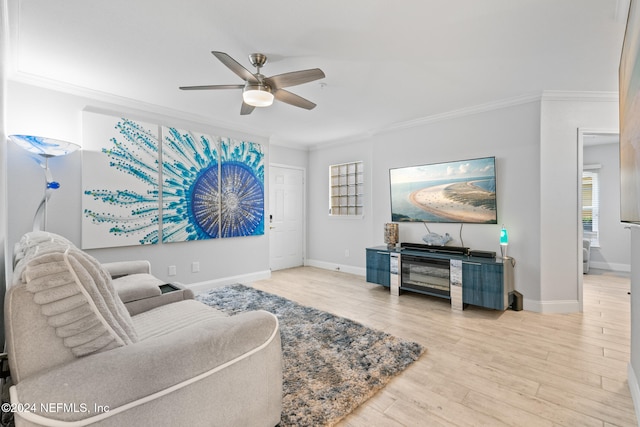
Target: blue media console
x: 450, y: 274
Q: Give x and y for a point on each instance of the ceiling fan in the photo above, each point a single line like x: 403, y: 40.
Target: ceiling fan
x: 258, y: 90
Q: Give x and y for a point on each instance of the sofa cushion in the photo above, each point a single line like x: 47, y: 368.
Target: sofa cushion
x: 134, y: 287
x: 77, y: 297
x: 172, y: 317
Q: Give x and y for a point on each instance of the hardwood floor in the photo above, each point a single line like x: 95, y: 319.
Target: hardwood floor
x: 483, y: 367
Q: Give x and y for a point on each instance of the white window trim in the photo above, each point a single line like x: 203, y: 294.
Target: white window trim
x: 593, y: 170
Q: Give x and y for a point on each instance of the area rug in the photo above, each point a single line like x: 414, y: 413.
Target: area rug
x: 330, y: 364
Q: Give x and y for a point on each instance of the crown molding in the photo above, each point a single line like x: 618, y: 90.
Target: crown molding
x: 117, y: 103
x: 466, y: 111
x: 547, y: 95
x: 560, y: 95
x: 462, y: 112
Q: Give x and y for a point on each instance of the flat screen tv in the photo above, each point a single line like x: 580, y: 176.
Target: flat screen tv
x: 460, y: 192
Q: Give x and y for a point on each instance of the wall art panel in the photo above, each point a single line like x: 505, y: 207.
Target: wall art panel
x: 120, y: 182
x: 241, y: 188
x: 190, y: 178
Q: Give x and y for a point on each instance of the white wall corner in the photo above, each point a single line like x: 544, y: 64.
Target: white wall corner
x: 558, y: 307
x: 218, y: 283
x: 634, y: 388
x: 611, y: 266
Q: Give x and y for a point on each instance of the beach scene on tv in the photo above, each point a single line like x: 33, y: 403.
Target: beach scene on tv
x: 462, y: 191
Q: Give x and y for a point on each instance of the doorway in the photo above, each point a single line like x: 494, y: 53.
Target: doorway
x: 592, y: 222
x: 286, y: 217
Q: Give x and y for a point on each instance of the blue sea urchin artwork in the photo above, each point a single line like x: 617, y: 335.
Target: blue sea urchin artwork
x: 212, y: 187
x: 241, y: 189
x: 120, y: 181
x: 205, y: 187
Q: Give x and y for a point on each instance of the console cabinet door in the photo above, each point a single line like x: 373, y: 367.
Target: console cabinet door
x: 378, y: 270
x: 482, y: 285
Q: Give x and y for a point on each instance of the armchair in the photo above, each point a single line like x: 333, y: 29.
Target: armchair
x: 78, y: 357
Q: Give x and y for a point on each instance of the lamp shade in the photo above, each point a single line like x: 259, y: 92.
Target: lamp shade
x: 46, y: 147
x: 504, y: 237
x: 258, y: 95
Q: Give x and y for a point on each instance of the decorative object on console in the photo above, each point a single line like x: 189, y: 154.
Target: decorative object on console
x: 459, y: 192
x: 435, y: 239
x: 44, y: 148
x: 391, y: 234
x: 504, y: 241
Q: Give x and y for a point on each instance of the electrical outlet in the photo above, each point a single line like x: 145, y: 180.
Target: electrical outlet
x: 195, y: 266
x: 172, y: 270
x: 346, y: 253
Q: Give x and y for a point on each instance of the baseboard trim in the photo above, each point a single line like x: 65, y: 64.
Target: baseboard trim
x: 336, y: 267
x: 217, y: 283
x: 567, y: 306
x: 611, y: 266
x: 634, y: 388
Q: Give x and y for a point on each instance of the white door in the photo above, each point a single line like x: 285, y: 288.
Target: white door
x: 286, y: 217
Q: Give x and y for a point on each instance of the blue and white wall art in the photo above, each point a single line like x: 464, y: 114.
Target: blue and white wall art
x: 120, y: 200
x: 241, y: 188
x: 191, y: 201
x: 206, y: 187
x: 212, y: 187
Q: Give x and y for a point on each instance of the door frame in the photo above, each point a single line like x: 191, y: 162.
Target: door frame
x: 304, y: 208
x: 580, y: 151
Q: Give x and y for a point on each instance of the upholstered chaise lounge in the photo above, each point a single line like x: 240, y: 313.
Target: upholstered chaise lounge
x: 78, y: 357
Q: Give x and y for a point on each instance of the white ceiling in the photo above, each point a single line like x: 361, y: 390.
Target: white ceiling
x: 386, y: 63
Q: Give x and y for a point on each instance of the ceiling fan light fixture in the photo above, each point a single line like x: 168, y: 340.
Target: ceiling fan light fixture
x: 257, y: 95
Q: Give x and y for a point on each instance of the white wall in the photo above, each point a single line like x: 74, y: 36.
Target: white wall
x: 562, y: 114
x: 288, y: 156
x: 510, y: 134
x: 634, y: 362
x: 613, y: 253
x: 4, y: 30
x: 37, y: 111
x: 337, y: 243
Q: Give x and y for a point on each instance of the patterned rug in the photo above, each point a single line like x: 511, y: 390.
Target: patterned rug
x: 330, y: 364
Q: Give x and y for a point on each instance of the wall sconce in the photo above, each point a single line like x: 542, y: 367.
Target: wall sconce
x: 391, y: 234
x: 504, y: 242
x: 44, y: 148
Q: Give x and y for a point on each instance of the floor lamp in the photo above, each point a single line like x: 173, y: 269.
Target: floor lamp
x: 44, y: 148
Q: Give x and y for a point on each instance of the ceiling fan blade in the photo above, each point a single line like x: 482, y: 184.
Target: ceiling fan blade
x: 246, y: 109
x: 294, y: 78
x: 234, y: 66
x: 211, y: 87
x: 293, y: 99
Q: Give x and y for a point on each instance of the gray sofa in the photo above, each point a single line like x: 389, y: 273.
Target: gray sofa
x: 78, y: 356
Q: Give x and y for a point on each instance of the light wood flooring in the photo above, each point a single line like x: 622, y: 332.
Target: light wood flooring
x: 484, y: 367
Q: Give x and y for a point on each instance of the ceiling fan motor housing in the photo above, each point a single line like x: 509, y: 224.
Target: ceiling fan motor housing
x: 258, y: 60
x: 257, y: 94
